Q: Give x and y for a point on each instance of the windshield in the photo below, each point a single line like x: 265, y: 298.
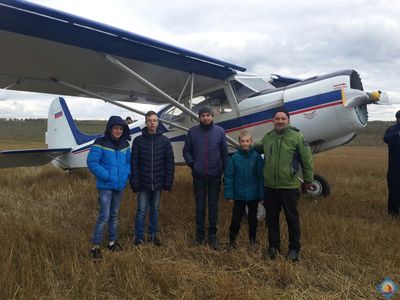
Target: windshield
x: 245, y: 87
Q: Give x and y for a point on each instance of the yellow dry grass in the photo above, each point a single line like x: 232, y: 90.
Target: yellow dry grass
x: 46, y: 218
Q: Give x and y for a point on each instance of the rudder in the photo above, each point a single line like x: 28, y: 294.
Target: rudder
x: 61, y: 129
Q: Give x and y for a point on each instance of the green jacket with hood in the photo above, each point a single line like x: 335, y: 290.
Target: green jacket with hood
x: 286, y: 156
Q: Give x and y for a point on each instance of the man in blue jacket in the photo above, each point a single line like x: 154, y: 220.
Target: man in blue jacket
x: 109, y: 161
x: 205, y: 152
x: 152, y: 166
x: 392, y: 138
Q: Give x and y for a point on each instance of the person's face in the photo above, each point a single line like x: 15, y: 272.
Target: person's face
x: 152, y: 123
x: 245, y: 142
x: 206, y: 118
x: 116, y: 131
x: 280, y: 121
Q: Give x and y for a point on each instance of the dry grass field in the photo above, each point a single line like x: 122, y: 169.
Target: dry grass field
x: 47, y: 215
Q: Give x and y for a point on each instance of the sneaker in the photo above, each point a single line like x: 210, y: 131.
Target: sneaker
x: 137, y: 242
x: 271, y: 253
x: 213, y: 241
x: 293, y: 256
x: 95, y: 254
x: 155, y: 241
x: 115, y: 247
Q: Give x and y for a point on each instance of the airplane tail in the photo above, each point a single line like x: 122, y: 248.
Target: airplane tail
x: 61, y: 129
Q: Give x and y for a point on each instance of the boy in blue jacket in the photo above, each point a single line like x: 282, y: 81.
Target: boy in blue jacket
x: 109, y: 161
x: 244, y: 183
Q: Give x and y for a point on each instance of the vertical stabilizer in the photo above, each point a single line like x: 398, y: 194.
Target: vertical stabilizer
x: 61, y: 129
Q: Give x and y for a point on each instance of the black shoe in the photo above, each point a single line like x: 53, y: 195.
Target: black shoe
x: 232, y: 245
x: 253, y: 244
x: 213, y: 241
x: 115, y: 247
x: 271, y: 253
x: 95, y: 254
x: 198, y: 240
x: 155, y: 241
x: 293, y: 255
x: 137, y: 242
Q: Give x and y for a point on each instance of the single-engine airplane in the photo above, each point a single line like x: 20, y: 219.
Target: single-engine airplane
x: 49, y: 51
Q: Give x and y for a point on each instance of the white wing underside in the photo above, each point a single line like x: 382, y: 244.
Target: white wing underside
x: 40, y: 45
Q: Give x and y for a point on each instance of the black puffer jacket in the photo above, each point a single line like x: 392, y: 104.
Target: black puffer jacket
x: 152, y: 163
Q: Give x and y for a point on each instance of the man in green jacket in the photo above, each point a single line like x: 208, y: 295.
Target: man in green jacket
x: 286, y: 155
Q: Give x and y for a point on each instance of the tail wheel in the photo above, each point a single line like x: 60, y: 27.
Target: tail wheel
x: 320, y: 187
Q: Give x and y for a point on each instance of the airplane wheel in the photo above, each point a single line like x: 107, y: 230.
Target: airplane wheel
x: 320, y: 187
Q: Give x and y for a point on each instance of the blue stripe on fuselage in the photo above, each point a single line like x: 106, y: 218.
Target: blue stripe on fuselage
x: 265, y: 115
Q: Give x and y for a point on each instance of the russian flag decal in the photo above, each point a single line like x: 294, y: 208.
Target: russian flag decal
x: 58, y: 115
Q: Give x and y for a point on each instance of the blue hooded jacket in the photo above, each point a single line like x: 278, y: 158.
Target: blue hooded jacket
x: 109, y: 159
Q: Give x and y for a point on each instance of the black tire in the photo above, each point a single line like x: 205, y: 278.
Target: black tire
x: 320, y: 187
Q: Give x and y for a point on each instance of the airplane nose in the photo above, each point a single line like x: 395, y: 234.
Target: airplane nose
x: 375, y: 95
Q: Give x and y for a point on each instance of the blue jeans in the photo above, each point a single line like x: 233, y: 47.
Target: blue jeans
x: 147, y: 199
x: 207, y: 187
x: 109, y: 201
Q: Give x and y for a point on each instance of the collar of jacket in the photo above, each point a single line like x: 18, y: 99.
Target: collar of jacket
x: 145, y: 132
x: 285, y: 131
x: 206, y: 127
x: 245, y: 152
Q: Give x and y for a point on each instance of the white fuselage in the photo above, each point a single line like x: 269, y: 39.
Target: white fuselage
x: 316, y: 108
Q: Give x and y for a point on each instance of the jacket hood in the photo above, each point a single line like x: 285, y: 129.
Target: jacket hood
x: 117, y: 120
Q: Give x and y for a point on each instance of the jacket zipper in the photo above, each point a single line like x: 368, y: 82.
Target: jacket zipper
x: 152, y: 162
x: 278, y: 160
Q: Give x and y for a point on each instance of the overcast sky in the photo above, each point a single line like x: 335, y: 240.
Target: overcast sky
x: 293, y: 38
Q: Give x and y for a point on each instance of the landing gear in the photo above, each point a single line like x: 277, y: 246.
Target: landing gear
x: 320, y: 187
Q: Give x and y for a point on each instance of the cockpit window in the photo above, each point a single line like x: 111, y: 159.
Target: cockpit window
x: 245, y: 87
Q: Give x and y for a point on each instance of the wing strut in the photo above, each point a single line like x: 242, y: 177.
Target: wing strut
x: 171, y: 100
x: 116, y: 103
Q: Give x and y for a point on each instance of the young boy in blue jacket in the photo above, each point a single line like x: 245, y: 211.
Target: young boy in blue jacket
x: 244, y: 183
x: 109, y: 161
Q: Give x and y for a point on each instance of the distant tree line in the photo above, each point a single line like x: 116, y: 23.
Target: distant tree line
x: 34, y: 129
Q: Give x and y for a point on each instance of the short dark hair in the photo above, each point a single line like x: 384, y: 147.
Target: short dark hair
x: 150, y: 113
x: 398, y: 115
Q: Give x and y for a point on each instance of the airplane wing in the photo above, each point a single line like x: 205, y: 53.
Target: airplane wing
x: 40, y: 46
x: 29, y: 157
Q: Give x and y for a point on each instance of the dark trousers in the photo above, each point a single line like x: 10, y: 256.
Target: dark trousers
x: 238, y: 210
x: 393, y: 181
x: 275, y: 199
x: 206, y: 188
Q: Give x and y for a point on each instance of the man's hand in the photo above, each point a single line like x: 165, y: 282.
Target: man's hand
x: 308, y: 186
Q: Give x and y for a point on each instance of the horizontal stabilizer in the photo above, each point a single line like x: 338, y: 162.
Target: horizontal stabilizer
x: 29, y: 157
